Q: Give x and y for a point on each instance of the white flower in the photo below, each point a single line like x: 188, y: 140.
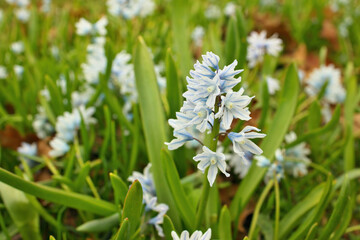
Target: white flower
x: 212, y: 12
x: 17, y: 47
x: 273, y: 85
x: 19, y: 70
x: 197, y: 235
x: 96, y: 61
x: 1, y: 15
x: 146, y: 180
x: 82, y: 98
x: 334, y: 92
x: 46, y: 4
x: 214, y: 161
x: 3, y: 72
x: 59, y: 147
x: 22, y: 14
x: 131, y: 8
x: 240, y: 163
x: 27, y: 149
x: 83, y: 27
x: 161, y: 209
x: 259, y: 45
x: 197, y: 36
x: 229, y: 9
x: 45, y: 93
x: 242, y: 143
x: 233, y: 105
x: 41, y: 124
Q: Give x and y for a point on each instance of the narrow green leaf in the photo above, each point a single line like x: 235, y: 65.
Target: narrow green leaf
x: 120, y: 188
x: 232, y: 41
x: 173, y: 85
x: 99, y: 225
x: 319, y: 131
x: 133, y: 207
x: 124, y: 231
x: 80, y: 179
x: 70, y: 199
x: 316, y: 214
x: 153, y: 121
x: 338, y: 211
x: 168, y: 227
x: 225, y: 224
x: 271, y: 142
x: 21, y: 211
x: 289, y: 221
x: 186, y: 210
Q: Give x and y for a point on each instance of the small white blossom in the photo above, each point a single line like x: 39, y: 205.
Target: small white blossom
x: 41, y: 124
x: 59, y: 147
x: 84, y: 27
x: 28, y: 149
x: 19, y: 70
x: 197, y: 235
x: 273, y: 85
x: 197, y: 36
x: 214, y: 161
x: 3, y: 72
x: 242, y: 143
x: 22, y: 14
x: 259, y: 45
x: 213, y: 12
x: 17, y: 47
x: 129, y: 9
x: 334, y: 92
x: 229, y: 9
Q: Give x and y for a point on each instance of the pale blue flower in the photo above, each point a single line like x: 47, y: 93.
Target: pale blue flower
x: 84, y: 27
x: 41, y: 124
x: 27, y: 149
x: 129, y: 9
x: 59, y: 147
x: 334, y: 92
x: 242, y: 143
x: 213, y: 12
x: 3, y: 72
x: 22, y: 14
x: 233, y: 105
x: 213, y: 160
x: 146, y: 180
x: 197, y: 36
x: 197, y: 235
x: 259, y: 45
x: 273, y: 85
x: 19, y: 70
x: 17, y: 47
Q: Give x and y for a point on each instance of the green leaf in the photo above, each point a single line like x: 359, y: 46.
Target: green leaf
x: 319, y: 131
x: 124, y: 231
x: 168, y: 227
x: 99, y: 225
x: 231, y: 42
x: 21, y: 211
x: 173, y: 86
x: 316, y: 214
x: 271, y: 142
x: 80, y: 179
x: 70, y: 199
x: 179, y: 23
x: 120, y: 188
x: 153, y: 121
x: 133, y: 207
x: 289, y: 221
x: 225, y: 224
x: 186, y: 210
x: 338, y: 211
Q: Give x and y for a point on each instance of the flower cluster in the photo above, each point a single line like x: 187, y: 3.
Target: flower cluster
x: 149, y: 198
x: 209, y: 98
x: 293, y: 160
x: 96, y: 61
x: 334, y: 92
x: 83, y: 27
x: 259, y: 45
x: 197, y: 235
x: 66, y: 127
x: 41, y: 124
x: 129, y: 9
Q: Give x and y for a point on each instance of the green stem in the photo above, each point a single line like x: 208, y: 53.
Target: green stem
x: 211, y: 141
x: 258, y: 207
x: 277, y: 208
